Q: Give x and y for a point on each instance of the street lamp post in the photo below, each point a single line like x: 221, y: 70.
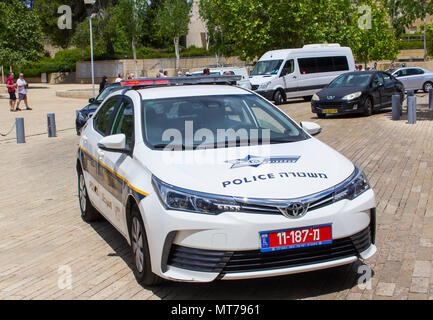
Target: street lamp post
x: 91, y: 2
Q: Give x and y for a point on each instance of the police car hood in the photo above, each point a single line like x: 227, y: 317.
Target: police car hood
x: 278, y: 171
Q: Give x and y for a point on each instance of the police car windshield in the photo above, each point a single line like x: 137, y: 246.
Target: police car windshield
x: 266, y: 67
x: 207, y: 122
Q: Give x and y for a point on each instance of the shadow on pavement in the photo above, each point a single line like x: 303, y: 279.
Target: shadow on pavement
x: 298, y: 286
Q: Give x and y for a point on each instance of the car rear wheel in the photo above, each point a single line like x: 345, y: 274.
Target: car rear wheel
x: 88, y: 212
x: 427, y: 86
x: 140, y: 250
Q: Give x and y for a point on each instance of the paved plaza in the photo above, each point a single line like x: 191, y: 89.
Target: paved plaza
x: 48, y: 252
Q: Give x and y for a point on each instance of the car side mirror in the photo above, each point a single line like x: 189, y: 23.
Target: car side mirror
x: 114, y: 143
x: 311, y: 128
x: 92, y: 100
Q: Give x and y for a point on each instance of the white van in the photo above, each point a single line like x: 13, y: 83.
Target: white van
x: 293, y: 73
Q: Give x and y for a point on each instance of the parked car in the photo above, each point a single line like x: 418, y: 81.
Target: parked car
x: 357, y: 92
x: 244, y: 82
x: 299, y: 73
x: 198, y: 203
x: 86, y: 113
x: 414, y: 78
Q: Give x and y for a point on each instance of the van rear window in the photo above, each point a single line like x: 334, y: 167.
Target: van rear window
x: 323, y: 64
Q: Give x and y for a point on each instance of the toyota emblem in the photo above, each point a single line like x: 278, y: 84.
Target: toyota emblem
x: 295, y: 210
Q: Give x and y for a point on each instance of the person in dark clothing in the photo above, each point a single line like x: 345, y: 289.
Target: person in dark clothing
x: 103, y: 84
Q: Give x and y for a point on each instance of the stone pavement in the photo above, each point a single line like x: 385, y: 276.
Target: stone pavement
x: 48, y: 252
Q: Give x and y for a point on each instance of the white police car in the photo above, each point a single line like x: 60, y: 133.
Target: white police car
x: 214, y: 182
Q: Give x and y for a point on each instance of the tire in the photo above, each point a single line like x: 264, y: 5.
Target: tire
x: 427, y: 86
x: 369, y: 106
x: 321, y: 115
x: 88, y: 212
x: 140, y: 251
x: 307, y: 98
x: 278, y: 98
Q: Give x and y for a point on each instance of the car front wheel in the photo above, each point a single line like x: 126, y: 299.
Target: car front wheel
x: 368, y: 107
x: 140, y: 250
x: 278, y: 98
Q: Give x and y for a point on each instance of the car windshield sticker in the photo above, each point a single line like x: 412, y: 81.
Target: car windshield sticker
x: 255, y: 162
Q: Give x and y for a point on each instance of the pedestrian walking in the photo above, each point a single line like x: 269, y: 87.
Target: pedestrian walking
x: 22, y: 92
x: 103, y: 84
x: 11, y: 85
x: 375, y: 67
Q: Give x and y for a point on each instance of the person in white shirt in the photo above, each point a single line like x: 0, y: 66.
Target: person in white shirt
x: 119, y: 78
x: 22, y: 91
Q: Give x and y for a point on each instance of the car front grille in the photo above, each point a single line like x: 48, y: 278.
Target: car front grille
x: 225, y: 262
x: 259, y: 206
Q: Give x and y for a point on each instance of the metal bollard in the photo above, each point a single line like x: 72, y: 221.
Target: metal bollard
x: 410, y: 93
x: 19, y: 125
x: 396, y: 107
x: 430, y: 99
x: 411, y: 110
x: 51, y: 123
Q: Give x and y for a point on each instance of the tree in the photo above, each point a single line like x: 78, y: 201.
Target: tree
x: 128, y: 17
x: 403, y: 13
x: 47, y: 12
x: 20, y: 34
x: 173, y: 20
x: 377, y: 41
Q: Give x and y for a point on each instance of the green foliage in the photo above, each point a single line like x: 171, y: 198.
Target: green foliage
x: 403, y: 13
x: 47, y: 12
x: 249, y: 28
x: 173, y: 18
x: 20, y: 34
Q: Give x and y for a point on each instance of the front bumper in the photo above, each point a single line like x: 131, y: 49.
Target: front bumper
x: 200, y: 248
x: 267, y: 94
x: 338, y: 107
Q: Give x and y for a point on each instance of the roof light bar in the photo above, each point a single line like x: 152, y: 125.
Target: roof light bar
x: 176, y: 81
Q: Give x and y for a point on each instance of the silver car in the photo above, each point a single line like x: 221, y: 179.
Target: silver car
x: 414, y: 78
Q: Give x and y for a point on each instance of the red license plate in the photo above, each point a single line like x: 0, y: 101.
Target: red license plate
x: 296, y: 238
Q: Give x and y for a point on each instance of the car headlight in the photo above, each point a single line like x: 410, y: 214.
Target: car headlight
x: 174, y: 198
x: 352, y: 188
x: 315, y: 97
x: 264, y: 86
x: 352, y: 96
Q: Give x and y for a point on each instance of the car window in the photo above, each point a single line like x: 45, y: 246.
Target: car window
x: 124, y: 121
x: 248, y: 117
x: 387, y: 78
x: 266, y: 67
x: 377, y: 80
x: 107, y: 92
x: 103, y: 116
x: 289, y: 67
x: 359, y: 79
